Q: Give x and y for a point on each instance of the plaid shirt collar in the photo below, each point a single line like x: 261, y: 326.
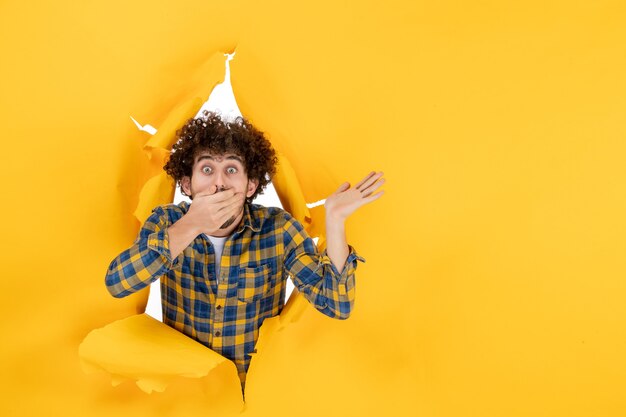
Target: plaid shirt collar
x: 248, y: 220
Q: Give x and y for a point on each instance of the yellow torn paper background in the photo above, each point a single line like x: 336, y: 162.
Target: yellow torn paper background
x: 142, y: 349
x: 494, y: 281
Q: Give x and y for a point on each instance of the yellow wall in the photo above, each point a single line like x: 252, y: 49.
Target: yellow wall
x: 494, y: 281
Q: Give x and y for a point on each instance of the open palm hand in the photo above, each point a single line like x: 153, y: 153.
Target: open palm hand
x: 343, y: 202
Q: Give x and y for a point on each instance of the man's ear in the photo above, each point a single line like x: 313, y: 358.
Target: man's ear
x: 252, y: 186
x: 185, y: 185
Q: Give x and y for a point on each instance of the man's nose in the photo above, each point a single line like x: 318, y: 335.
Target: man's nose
x: 220, y: 182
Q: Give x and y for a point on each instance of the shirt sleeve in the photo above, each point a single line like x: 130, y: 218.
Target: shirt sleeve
x: 316, y: 277
x: 145, y: 261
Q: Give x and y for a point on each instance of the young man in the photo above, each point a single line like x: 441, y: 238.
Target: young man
x: 223, y: 261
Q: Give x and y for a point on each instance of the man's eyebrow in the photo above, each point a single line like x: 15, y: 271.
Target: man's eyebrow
x: 234, y: 157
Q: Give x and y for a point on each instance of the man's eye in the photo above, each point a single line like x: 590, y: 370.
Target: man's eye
x: 232, y: 170
x: 206, y: 170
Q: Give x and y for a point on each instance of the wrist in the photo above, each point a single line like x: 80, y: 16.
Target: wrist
x: 187, y: 225
x: 335, y: 222
x: 334, y: 218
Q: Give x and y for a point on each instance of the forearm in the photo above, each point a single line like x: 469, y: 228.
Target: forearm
x: 336, y: 244
x: 180, y: 234
x: 339, y: 206
x: 328, y: 284
x: 147, y: 259
x: 134, y: 269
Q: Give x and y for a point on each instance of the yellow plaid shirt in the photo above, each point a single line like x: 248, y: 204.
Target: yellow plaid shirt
x: 268, y: 246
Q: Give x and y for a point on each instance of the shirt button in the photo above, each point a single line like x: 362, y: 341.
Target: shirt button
x: 218, y: 307
x: 218, y: 333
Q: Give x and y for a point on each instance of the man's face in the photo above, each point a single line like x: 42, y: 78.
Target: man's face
x: 225, y: 171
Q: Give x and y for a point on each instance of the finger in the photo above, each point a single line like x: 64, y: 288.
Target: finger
x: 374, y: 197
x: 218, y: 197
x: 235, y: 201
x: 210, y: 191
x: 226, y: 213
x: 230, y: 211
x: 231, y: 219
x: 364, y: 179
x: 226, y: 218
x: 366, y: 192
x: 370, y: 180
x: 228, y: 222
x: 343, y: 187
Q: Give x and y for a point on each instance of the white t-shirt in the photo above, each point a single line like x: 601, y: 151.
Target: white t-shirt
x: 218, y: 245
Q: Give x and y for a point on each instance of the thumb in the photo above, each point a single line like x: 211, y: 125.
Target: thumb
x: 210, y: 191
x: 343, y: 187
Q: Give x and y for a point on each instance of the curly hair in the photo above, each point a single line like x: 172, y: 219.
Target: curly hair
x: 209, y: 133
